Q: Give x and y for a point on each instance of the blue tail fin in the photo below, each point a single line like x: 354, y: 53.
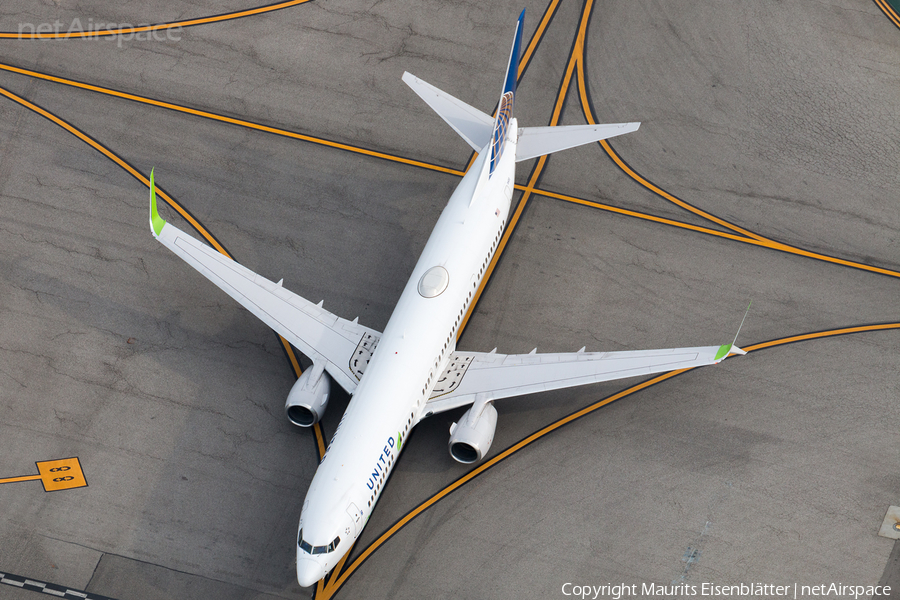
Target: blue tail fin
x: 507, y: 100
x: 512, y: 69
x: 471, y: 124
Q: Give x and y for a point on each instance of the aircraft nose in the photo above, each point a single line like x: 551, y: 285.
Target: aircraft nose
x: 308, y: 572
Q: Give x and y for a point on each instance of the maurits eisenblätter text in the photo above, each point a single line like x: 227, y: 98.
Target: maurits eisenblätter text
x: 794, y: 590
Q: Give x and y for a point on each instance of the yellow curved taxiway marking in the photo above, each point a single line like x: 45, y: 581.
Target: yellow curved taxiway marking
x: 59, y: 35
x: 803, y: 337
x: 589, y: 116
x: 119, y: 161
x: 753, y: 238
x: 648, y: 217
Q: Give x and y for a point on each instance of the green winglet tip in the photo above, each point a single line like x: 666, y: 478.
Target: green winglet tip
x: 156, y: 222
x: 723, y: 351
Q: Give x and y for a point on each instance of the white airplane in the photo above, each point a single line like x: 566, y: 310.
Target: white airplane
x: 412, y: 370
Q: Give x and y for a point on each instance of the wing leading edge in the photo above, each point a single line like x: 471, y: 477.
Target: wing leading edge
x: 319, y: 334
x: 486, y: 377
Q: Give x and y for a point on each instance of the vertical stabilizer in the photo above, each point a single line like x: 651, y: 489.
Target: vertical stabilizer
x: 507, y: 99
x: 474, y: 126
x: 512, y: 67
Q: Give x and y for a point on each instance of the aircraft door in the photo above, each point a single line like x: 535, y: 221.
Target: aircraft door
x: 356, y: 517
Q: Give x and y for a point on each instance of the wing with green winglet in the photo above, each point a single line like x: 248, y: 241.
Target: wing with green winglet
x: 491, y: 376
x: 319, y: 334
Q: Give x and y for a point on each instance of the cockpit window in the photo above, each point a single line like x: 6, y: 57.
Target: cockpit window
x: 310, y: 549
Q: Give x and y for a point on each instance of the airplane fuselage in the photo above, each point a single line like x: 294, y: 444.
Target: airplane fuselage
x: 411, y: 354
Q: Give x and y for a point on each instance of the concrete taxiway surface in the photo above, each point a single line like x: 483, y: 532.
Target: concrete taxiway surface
x: 776, y: 123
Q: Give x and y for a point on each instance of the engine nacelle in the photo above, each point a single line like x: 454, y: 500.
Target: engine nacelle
x: 471, y: 438
x: 308, y: 398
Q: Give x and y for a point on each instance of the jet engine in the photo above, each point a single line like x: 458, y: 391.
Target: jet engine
x: 308, y: 398
x: 471, y: 438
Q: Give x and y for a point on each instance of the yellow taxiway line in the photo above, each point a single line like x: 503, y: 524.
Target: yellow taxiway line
x: 18, y: 479
x: 222, y: 118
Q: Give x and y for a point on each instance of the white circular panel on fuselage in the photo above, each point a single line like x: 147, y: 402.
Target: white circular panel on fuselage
x: 434, y: 282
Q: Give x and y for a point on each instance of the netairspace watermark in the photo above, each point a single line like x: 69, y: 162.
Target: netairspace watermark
x: 123, y: 32
x: 758, y: 590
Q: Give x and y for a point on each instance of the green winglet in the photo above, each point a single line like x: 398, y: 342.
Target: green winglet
x: 723, y: 351
x: 156, y: 222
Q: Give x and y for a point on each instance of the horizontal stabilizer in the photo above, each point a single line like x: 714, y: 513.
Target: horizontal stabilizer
x: 470, y: 123
x: 538, y: 141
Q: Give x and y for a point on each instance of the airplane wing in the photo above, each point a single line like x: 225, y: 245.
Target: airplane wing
x: 491, y: 376
x: 344, y: 346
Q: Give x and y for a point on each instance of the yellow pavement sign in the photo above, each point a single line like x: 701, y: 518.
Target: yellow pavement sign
x: 60, y: 474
